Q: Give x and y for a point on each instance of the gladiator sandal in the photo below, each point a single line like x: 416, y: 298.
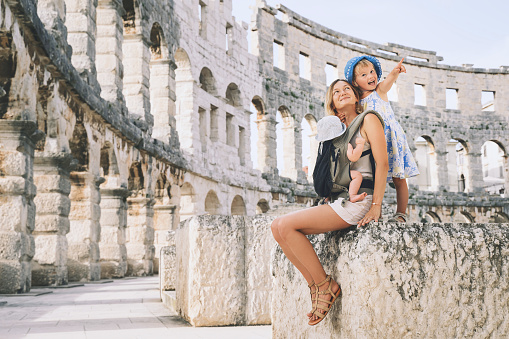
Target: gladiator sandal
x: 318, y: 303
x: 312, y: 292
x: 399, y: 217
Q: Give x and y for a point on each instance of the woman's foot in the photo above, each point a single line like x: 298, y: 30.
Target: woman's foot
x: 328, y: 292
x: 358, y: 197
x: 399, y: 217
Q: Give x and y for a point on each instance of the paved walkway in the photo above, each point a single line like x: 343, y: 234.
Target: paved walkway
x: 125, y: 308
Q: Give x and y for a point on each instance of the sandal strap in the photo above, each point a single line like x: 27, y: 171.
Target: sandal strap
x: 327, y: 279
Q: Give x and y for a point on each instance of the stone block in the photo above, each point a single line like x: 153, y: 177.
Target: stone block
x: 212, y: 252
x: 13, y: 213
x: 52, y: 203
x: 52, y: 223
x: 412, y: 280
x: 11, y: 275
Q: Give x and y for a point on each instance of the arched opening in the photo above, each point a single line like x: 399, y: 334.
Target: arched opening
x: 309, y: 145
x: 499, y: 217
x: 187, y: 201
x: 257, y: 107
x: 136, y: 180
x: 158, y: 46
x: 426, y: 159
x: 493, y: 163
x: 285, y: 140
x: 184, y: 84
x: 233, y: 95
x: 238, y: 206
x: 79, y: 147
x: 207, y: 81
x: 212, y: 204
x: 457, y: 166
x: 431, y: 217
x: 109, y: 165
x: 262, y: 206
x: 467, y: 217
x: 129, y: 17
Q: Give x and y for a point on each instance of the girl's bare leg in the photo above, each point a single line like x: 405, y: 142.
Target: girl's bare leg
x: 290, y: 232
x: 401, y: 194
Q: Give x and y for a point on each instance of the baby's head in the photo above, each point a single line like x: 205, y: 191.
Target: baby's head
x: 363, y: 72
x: 329, y: 127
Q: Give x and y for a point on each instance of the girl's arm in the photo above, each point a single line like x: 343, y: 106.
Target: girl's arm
x: 385, y: 86
x: 375, y: 136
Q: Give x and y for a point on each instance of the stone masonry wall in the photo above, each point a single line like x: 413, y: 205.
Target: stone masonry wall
x: 402, y: 281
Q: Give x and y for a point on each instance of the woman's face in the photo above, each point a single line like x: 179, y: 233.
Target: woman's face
x: 343, y: 95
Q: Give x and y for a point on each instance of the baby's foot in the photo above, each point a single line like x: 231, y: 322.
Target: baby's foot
x: 358, y: 197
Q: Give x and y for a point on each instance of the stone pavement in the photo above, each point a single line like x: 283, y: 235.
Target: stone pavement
x: 124, y: 308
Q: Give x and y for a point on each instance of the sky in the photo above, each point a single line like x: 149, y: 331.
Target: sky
x: 461, y: 31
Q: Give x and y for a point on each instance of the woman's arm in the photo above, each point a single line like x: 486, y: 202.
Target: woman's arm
x: 374, y: 132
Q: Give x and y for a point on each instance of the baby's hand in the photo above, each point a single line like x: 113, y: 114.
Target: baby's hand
x: 341, y: 117
x: 399, y: 67
x: 360, y: 142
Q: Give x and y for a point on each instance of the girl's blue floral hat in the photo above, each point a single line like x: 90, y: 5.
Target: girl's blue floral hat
x: 350, y: 65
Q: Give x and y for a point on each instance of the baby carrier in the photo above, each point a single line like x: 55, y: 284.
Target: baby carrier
x: 331, y: 176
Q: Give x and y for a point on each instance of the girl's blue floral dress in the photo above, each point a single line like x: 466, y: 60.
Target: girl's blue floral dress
x: 401, y: 162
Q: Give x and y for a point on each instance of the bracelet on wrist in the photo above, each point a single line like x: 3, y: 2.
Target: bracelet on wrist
x: 376, y: 203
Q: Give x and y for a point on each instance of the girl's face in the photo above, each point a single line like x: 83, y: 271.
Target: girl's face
x: 343, y: 95
x: 366, y: 77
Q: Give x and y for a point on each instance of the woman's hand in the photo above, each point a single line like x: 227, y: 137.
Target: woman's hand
x: 372, y: 215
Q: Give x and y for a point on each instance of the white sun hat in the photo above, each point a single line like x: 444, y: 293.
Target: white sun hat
x: 329, y: 127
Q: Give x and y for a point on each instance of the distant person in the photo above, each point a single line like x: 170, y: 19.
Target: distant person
x: 330, y: 127
x: 364, y: 72
x: 291, y: 229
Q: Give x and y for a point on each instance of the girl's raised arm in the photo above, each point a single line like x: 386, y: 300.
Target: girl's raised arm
x: 385, y: 86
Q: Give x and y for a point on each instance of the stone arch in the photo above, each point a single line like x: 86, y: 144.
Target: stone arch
x: 458, y: 168
x: 499, y: 217
x: 183, y: 71
x: 494, y: 166
x: 238, y: 206
x: 426, y: 159
x: 286, y: 143
x: 131, y: 16
x: 136, y: 181
x: 257, y: 108
x: 79, y: 147
x: 108, y: 163
x: 212, y: 204
x: 262, y: 206
x: 233, y: 95
x: 162, y: 190
x: 158, y: 46
x: 431, y: 217
x: 207, y: 81
x: 468, y: 218
x: 187, y: 201
x: 309, y: 145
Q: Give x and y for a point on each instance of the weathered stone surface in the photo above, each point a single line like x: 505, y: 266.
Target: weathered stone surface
x: 227, y: 256
x: 413, y: 280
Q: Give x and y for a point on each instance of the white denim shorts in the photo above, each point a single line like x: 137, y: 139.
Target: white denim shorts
x: 352, y: 212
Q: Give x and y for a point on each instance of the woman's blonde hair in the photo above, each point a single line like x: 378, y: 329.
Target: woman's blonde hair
x: 330, y: 109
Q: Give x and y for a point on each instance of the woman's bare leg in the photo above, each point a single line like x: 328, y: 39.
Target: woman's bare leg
x: 290, y: 232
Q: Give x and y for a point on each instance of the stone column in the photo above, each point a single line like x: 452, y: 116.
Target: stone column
x: 137, y: 78
x: 113, y: 228
x: 442, y: 170
x: 17, y: 208
x: 85, y: 230
x: 82, y: 29
x: 162, y: 99
x: 110, y: 70
x: 313, y: 153
x: 291, y: 147
x: 163, y: 222
x: 475, y: 173
x: 49, y: 266
x: 267, y: 156
x: 140, y: 236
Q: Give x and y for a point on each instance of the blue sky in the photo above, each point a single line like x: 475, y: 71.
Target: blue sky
x: 462, y: 32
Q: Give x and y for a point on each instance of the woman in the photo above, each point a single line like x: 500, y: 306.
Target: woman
x: 290, y: 230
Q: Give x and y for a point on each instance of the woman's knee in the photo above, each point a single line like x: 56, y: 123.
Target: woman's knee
x: 279, y: 229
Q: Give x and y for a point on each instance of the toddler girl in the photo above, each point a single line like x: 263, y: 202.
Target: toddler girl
x: 364, y: 73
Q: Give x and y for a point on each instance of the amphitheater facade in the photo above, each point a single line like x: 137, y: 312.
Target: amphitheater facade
x: 120, y: 119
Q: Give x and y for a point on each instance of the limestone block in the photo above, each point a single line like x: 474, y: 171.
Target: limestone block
x: 11, y: 273
x: 109, y: 234
x: 413, y: 280
x: 80, y: 229
x: 13, y: 213
x: 52, y: 183
x: 14, y: 163
x: 11, y: 246
x: 52, y: 223
x: 50, y: 249
x: 13, y: 185
x: 52, y: 203
x: 210, y: 283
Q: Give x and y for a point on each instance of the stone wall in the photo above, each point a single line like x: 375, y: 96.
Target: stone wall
x: 223, y: 274
x: 402, y: 281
